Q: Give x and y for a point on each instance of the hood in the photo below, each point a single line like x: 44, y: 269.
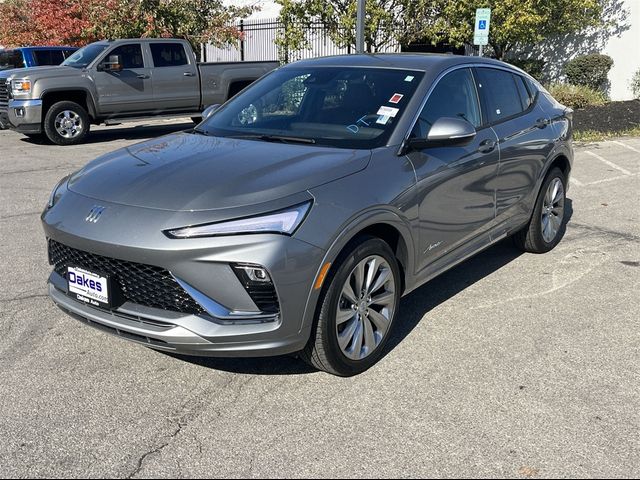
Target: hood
x: 189, y: 172
x: 44, y: 71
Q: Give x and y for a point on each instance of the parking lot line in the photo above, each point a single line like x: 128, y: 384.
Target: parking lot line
x: 626, y: 146
x: 576, y: 182
x: 607, y: 162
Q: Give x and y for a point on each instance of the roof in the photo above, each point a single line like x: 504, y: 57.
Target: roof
x: 409, y: 61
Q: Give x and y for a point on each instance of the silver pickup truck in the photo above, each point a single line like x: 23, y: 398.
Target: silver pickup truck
x: 109, y: 81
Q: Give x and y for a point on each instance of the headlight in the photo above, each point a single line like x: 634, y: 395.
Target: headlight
x: 20, y: 86
x: 282, y: 221
x: 57, y: 192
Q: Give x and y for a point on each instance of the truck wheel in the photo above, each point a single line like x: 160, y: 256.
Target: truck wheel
x: 66, y: 123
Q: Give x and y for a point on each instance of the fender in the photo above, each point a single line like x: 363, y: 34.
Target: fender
x: 376, y: 215
x: 91, y: 105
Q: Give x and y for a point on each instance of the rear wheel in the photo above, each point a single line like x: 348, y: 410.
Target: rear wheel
x: 66, y: 123
x: 546, y: 227
x: 358, y: 308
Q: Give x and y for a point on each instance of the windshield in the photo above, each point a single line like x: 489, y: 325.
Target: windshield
x: 85, y: 56
x: 341, y: 107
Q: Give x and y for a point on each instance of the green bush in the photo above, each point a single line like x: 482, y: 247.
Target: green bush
x: 589, y: 70
x: 533, y: 66
x: 635, y: 84
x: 576, y: 96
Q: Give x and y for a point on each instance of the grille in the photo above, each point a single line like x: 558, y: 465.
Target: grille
x: 138, y: 283
x: 265, y: 297
x: 4, y: 96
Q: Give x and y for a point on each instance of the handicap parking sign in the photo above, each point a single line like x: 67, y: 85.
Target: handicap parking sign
x: 482, y: 25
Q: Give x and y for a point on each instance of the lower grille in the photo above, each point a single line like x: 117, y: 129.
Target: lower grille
x: 138, y: 283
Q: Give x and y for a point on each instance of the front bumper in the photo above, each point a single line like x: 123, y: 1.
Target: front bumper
x: 230, y: 324
x: 25, y: 116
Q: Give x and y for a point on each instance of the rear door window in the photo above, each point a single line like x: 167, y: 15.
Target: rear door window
x: 500, y: 94
x: 168, y: 54
x: 48, y: 57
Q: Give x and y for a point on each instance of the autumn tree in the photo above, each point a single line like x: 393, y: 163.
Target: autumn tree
x: 77, y: 22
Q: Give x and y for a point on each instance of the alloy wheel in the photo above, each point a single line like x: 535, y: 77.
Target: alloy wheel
x: 365, y: 308
x: 552, y: 210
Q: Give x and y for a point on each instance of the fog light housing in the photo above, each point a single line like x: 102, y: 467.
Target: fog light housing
x: 258, y: 284
x: 19, y: 112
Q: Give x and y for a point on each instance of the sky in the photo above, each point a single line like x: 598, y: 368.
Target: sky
x: 268, y: 8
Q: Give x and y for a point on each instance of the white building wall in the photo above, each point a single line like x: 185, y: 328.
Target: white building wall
x: 625, y: 52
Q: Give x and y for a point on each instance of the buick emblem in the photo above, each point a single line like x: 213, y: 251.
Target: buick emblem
x: 94, y: 214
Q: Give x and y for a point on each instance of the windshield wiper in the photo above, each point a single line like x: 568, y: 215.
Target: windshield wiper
x: 274, y: 138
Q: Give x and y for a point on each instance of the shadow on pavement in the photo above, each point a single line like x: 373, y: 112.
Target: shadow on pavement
x: 121, y: 132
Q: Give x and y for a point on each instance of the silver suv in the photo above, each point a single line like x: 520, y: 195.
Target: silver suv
x: 295, y: 217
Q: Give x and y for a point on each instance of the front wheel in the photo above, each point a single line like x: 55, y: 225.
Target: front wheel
x: 546, y: 227
x: 66, y: 123
x: 357, y: 311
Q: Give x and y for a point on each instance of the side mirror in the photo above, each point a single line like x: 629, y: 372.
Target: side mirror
x: 446, y: 131
x: 210, y: 110
x: 113, y: 64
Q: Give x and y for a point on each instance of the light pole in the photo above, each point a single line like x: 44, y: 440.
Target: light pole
x: 360, y: 27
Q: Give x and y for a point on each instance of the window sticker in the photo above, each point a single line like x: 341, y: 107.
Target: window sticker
x: 388, y: 111
x: 409, y: 78
x: 396, y: 98
x: 383, y: 119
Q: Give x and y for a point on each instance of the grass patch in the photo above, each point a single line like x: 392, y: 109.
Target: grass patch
x: 576, y: 96
x: 595, y: 136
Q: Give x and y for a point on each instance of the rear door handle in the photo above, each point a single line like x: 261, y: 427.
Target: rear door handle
x: 143, y: 76
x: 542, y: 122
x: 487, y: 146
x: 189, y: 74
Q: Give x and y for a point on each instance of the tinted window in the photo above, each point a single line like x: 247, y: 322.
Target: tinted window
x: 168, y: 54
x: 11, y: 59
x: 68, y: 52
x: 525, y: 98
x: 500, y: 92
x: 48, y: 57
x: 130, y: 56
x: 341, y: 107
x: 454, y: 96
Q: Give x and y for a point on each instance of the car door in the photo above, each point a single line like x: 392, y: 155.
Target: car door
x: 524, y: 138
x: 455, y: 184
x: 128, y: 90
x: 175, y: 77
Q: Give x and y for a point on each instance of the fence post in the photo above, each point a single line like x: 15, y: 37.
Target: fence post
x: 241, y: 40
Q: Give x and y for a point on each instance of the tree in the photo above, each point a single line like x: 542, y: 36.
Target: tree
x: 513, y: 22
x: 77, y: 22
x: 338, y: 17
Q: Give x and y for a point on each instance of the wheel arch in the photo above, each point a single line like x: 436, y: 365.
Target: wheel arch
x: 384, y: 224
x: 78, y: 95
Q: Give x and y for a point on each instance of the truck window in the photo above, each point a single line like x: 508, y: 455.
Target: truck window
x: 168, y: 54
x: 130, y: 56
x: 48, y: 57
x: 11, y: 59
x: 68, y: 52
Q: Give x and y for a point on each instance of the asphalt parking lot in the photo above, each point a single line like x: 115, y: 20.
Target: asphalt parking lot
x: 509, y: 365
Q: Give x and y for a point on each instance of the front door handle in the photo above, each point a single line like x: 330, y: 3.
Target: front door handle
x: 143, y: 76
x: 189, y: 74
x: 487, y: 146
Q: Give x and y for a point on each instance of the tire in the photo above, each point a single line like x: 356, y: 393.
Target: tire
x: 540, y: 236
x: 333, y: 346
x: 76, y: 127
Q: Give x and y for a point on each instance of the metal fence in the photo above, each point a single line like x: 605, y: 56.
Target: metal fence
x: 258, y: 44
